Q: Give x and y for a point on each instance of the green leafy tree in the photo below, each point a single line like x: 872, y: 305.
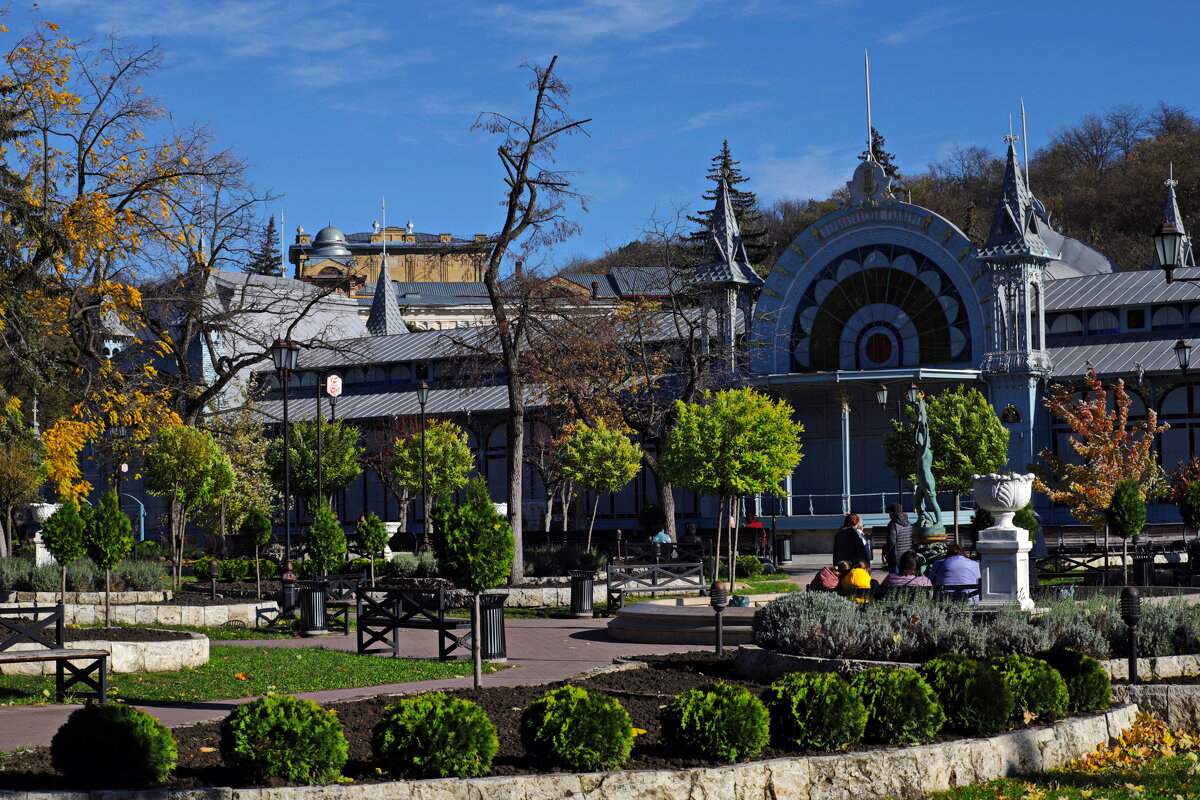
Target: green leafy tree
x: 186, y: 466
x: 745, y: 206
x: 64, y: 536
x: 372, y: 538
x: 475, y: 550
x: 265, y: 258
x: 448, y: 462
x: 109, y: 540
x: 1189, y: 506
x: 243, y: 440
x: 22, y: 467
x: 883, y: 157
x: 735, y: 442
x: 1127, y: 516
x: 340, y: 457
x: 326, y: 541
x: 966, y: 436
x: 598, y: 458
x: 257, y: 529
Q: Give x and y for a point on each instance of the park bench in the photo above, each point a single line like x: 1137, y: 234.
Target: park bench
x: 30, y: 626
x: 958, y: 592
x: 340, y: 598
x: 657, y: 552
x: 382, y: 613
x: 672, y: 576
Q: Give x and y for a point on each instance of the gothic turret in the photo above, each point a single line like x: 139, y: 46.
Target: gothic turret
x: 385, y: 318
x: 1171, y: 214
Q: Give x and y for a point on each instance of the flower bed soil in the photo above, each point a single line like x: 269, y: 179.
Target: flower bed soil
x: 110, y: 634
x: 643, y: 692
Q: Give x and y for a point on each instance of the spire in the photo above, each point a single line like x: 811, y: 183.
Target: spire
x: 1171, y: 214
x: 385, y: 318
x: 725, y: 259
x: 1016, y: 227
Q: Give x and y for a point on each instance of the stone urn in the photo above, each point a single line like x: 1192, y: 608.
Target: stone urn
x: 38, y: 514
x: 1002, y: 495
x: 1003, y: 548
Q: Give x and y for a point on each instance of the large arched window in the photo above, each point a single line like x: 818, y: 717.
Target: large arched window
x: 877, y: 307
x: 1066, y: 325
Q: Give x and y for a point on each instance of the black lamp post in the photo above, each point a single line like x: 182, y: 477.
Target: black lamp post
x: 422, y: 399
x: 286, y: 354
x: 1131, y: 612
x: 1168, y: 242
x: 1183, y: 354
x: 718, y: 598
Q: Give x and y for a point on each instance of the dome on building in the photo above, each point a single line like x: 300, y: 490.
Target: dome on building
x: 330, y: 241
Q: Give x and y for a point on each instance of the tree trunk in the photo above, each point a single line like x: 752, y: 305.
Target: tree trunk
x: 257, y: 575
x: 62, y: 597
x: 566, y: 509
x: 733, y: 539
x: 107, y: 593
x: 516, y: 464
x: 592, y: 524
x: 476, y: 648
x: 427, y: 510
x: 1125, y: 558
x: 666, y: 495
x: 1105, y: 581
x: 371, y: 558
x: 956, y: 505
x: 716, y: 570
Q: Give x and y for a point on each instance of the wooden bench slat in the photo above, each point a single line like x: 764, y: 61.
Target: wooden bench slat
x: 15, y: 656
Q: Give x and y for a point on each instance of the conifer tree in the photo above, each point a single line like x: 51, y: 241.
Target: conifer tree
x: 265, y: 259
x: 883, y: 157
x: 745, y: 207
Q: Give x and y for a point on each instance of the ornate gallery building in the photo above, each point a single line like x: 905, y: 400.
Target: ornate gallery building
x: 871, y: 299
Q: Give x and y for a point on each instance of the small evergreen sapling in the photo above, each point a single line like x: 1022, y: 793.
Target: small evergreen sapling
x: 1127, y: 516
x: 722, y: 722
x: 109, y: 541
x: 475, y: 551
x: 64, y: 538
x: 257, y: 529
x: 326, y: 541
x: 113, y: 746
x: 372, y: 538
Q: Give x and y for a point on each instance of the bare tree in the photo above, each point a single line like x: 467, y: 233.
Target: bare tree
x: 535, y: 203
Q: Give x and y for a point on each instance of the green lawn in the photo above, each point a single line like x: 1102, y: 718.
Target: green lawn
x: 249, y: 671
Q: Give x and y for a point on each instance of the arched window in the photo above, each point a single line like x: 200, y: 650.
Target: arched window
x: 1166, y: 318
x: 1066, y: 325
x: 1103, y: 322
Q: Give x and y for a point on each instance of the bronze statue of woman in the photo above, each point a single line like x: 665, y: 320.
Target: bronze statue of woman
x: 928, y: 525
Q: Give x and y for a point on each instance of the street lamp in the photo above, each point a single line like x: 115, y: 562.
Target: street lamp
x: 286, y: 354
x: 719, y: 598
x: 1168, y: 241
x: 914, y: 393
x: 1183, y: 354
x: 1131, y: 613
x: 422, y: 399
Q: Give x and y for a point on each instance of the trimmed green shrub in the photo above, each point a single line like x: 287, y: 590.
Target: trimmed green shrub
x: 14, y: 572
x: 579, y: 729
x: 815, y: 711
x: 148, y: 550
x: 279, y: 736
x: 141, y: 576
x: 403, y: 565
x: 435, y: 736
x: 748, y: 567
x: 45, y: 578
x: 325, y: 540
x: 807, y: 623
x: 268, y: 569
x: 427, y: 565
x: 113, y: 746
x: 973, y: 694
x: 1036, y: 687
x: 235, y: 569
x: 1088, y: 686
x: 719, y: 721
x: 901, y: 708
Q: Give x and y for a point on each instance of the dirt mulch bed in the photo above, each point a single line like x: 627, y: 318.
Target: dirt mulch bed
x: 643, y: 692
x: 103, y: 634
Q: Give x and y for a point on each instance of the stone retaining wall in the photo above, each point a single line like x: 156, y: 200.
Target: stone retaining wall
x: 163, y: 656
x: 152, y: 615
x: 89, y: 598
x: 1177, y: 705
x: 904, y: 772
x: 1152, y: 669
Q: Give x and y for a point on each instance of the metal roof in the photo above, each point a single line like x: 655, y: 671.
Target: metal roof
x: 415, y: 346
x: 1141, y: 287
x: 1113, y: 355
x: 399, y: 402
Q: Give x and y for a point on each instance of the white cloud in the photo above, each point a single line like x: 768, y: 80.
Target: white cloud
x: 587, y: 20
x: 932, y: 20
x: 814, y: 173
x: 707, y: 119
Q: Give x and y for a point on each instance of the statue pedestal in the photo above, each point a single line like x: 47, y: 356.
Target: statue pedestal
x: 1003, y: 548
x: 1004, y: 568
x: 38, y: 514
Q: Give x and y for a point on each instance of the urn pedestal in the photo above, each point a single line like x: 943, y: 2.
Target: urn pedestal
x: 38, y: 514
x: 1004, y: 548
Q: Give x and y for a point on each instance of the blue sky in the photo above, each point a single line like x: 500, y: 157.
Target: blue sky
x: 336, y: 102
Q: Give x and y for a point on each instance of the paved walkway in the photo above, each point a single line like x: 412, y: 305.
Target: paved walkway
x: 540, y: 651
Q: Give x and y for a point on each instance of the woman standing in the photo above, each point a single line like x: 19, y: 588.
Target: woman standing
x: 899, y: 538
x: 850, y: 543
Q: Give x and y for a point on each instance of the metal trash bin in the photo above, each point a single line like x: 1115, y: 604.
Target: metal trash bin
x: 783, y: 549
x: 312, y: 608
x: 1143, y: 572
x: 491, y: 627
x: 582, y: 584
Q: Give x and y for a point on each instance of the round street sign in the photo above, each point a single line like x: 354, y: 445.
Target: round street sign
x: 124, y: 468
x: 333, y: 385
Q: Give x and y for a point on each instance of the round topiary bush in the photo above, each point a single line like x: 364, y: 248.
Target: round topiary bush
x: 973, y: 694
x: 113, y: 746
x: 748, y: 567
x: 435, y: 736
x: 1036, y: 687
x: 1088, y: 686
x: 279, y: 736
x: 815, y: 711
x: 719, y: 721
x: 579, y: 729
x: 900, y: 705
